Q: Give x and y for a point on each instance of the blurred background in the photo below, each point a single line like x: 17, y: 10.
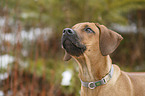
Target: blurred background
x: 31, y: 57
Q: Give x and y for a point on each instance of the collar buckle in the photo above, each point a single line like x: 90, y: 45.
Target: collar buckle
x: 91, y: 85
x: 105, y: 80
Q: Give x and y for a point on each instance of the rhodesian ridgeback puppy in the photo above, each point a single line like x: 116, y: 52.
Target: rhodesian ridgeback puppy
x: 90, y: 45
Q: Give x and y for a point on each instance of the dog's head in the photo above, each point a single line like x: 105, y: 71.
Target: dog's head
x: 89, y: 38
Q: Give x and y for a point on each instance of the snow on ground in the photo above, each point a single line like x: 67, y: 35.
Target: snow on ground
x: 24, y: 35
x: 124, y: 29
x: 5, y: 60
x: 3, y: 76
x: 67, y: 75
x: 1, y: 93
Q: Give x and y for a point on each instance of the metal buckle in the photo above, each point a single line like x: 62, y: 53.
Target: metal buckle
x: 91, y: 85
x: 105, y: 81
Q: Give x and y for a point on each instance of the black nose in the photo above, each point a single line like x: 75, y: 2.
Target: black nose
x: 68, y: 31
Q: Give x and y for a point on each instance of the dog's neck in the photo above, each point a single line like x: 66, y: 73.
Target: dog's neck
x: 93, y: 68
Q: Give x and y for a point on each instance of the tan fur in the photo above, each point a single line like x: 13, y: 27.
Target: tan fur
x: 93, y: 66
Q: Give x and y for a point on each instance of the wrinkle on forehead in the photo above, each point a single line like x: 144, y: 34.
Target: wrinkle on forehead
x: 82, y: 26
x: 77, y: 26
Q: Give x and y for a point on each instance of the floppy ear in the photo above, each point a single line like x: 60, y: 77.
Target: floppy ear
x: 108, y: 40
x: 66, y: 56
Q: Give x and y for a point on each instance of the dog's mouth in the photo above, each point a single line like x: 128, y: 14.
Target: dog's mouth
x: 73, y: 46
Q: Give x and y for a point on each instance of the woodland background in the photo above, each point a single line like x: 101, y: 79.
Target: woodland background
x: 30, y: 35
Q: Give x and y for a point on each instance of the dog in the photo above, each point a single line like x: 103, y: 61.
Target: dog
x: 90, y: 45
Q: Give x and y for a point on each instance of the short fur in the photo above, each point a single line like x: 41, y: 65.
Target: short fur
x: 94, y: 63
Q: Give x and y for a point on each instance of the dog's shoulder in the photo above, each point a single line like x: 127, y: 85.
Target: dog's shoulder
x: 138, y: 82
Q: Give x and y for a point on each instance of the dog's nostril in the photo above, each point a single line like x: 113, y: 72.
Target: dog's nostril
x: 69, y: 31
x: 64, y: 31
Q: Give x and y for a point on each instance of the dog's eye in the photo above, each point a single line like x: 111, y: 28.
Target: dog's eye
x: 89, y: 30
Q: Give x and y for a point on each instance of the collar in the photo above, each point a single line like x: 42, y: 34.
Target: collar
x: 103, y: 81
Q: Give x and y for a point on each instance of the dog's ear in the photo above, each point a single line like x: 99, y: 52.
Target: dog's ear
x: 108, y: 40
x: 66, y: 56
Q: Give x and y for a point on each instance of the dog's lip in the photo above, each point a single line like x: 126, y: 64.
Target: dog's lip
x: 73, y: 45
x: 77, y: 44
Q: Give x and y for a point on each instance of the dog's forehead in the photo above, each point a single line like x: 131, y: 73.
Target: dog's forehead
x: 82, y: 25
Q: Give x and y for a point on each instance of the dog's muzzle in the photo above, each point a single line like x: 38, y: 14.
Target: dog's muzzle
x: 72, y: 43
